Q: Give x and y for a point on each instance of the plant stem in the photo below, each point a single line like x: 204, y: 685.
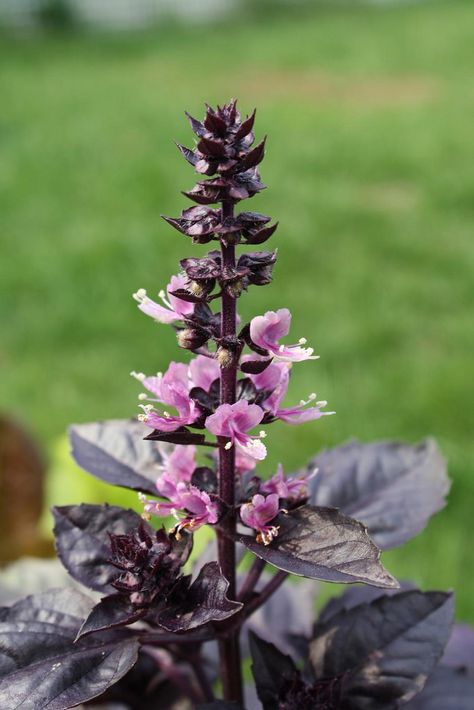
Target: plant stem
x: 229, y: 649
x: 253, y: 575
x: 259, y: 599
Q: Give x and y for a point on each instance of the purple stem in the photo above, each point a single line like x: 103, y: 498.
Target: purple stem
x: 229, y: 648
x: 259, y: 599
x: 253, y: 575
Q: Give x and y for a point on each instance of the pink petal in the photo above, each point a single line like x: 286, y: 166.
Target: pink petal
x: 182, y: 308
x: 266, y: 330
x: 204, y: 370
x: 159, y: 313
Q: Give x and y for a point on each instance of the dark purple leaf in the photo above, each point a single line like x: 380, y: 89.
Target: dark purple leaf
x: 356, y: 595
x: 83, y: 543
x: 255, y: 367
x: 322, y: 543
x: 446, y: 689
x: 246, y: 126
x: 272, y: 671
x: 188, y: 154
x: 260, y: 236
x: 459, y: 653
x: 111, y: 612
x: 213, y: 148
x: 204, y: 601
x: 40, y: 666
x: 254, y: 157
x: 196, y: 125
x: 114, y: 451
x: 386, y: 649
x: 180, y: 436
x: 215, y: 123
x: 392, y: 488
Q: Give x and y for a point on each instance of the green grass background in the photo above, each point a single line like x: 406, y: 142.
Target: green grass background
x: 370, y: 165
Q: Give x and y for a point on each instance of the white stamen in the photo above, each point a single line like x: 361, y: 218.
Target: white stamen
x: 312, y: 396
x: 228, y: 446
x: 262, y: 434
x: 167, y: 415
x: 302, y: 402
x: 142, y: 418
x: 140, y: 295
x: 162, y: 295
x: 322, y: 403
x: 281, y: 348
x: 142, y: 396
x: 142, y: 497
x: 140, y: 376
x: 302, y: 341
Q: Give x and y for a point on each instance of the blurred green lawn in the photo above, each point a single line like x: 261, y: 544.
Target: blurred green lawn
x: 370, y: 165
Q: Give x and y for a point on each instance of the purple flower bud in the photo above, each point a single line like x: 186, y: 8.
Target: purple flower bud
x: 148, y: 567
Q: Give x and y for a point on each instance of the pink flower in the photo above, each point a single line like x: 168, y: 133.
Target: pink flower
x: 274, y: 379
x: 266, y: 331
x: 290, y: 488
x: 192, y: 507
x: 203, y: 371
x: 260, y: 511
x: 171, y: 389
x: 234, y: 421
x: 174, y: 308
x: 178, y: 467
x: 302, y: 413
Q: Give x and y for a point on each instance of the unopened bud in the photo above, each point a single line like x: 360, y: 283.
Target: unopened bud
x: 224, y: 357
x: 235, y: 288
x: 191, y: 338
x: 197, y: 289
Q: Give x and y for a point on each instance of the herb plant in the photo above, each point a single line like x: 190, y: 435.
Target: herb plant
x: 163, y: 625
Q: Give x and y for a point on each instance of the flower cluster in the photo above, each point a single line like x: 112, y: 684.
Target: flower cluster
x: 147, y: 563
x: 188, y: 397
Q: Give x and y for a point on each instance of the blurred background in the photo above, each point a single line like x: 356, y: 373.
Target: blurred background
x: 370, y: 167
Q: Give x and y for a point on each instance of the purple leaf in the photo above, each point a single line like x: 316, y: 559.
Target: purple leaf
x: 271, y: 669
x: 459, y: 653
x: 40, y: 666
x: 446, y: 689
x: 255, y: 367
x: 385, y: 649
x: 196, y: 125
x: 188, y: 154
x: 204, y: 601
x: 114, y: 451
x: 260, y: 236
x: 83, y: 544
x: 246, y: 126
x: 392, y: 488
x: 181, y: 436
x: 111, y: 612
x: 254, y: 157
x: 322, y: 543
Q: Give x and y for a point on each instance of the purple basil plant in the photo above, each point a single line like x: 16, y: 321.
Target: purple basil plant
x: 163, y: 628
